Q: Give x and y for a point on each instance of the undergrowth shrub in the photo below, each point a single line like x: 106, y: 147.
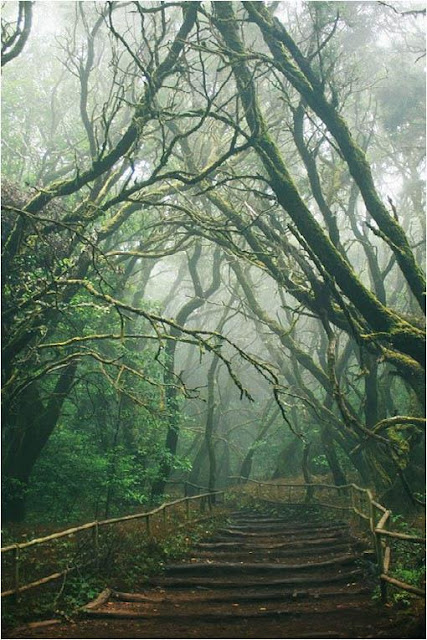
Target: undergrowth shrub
x: 126, y: 559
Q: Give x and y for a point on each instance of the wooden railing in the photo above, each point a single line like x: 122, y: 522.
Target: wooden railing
x: 188, y: 486
x: 349, y: 497
x: 95, y: 526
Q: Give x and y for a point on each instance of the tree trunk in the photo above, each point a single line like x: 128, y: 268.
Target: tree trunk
x: 332, y: 458
x: 287, y: 460
x: 210, y: 424
x: 245, y: 469
x: 27, y: 431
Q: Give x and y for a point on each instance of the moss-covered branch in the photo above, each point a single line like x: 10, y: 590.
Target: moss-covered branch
x: 300, y: 75
x: 403, y: 336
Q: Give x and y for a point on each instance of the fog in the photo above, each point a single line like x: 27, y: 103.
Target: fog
x: 213, y: 250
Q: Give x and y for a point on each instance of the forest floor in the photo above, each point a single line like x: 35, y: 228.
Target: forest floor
x: 260, y: 576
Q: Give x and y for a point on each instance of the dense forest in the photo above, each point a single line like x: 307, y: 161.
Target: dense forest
x: 213, y: 240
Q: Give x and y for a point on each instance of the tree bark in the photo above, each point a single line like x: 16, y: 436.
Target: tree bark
x: 28, y: 429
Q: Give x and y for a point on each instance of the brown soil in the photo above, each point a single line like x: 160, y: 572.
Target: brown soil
x: 259, y: 577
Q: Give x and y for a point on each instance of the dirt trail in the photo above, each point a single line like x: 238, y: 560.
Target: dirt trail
x: 258, y: 577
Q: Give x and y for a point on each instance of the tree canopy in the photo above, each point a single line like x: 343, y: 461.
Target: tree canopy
x: 213, y: 247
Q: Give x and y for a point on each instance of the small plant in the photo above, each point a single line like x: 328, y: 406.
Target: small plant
x: 77, y: 591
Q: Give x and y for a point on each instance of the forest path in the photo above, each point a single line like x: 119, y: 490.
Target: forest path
x: 260, y: 576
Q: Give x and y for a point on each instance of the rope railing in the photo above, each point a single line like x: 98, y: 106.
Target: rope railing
x: 361, y: 502
x: 17, y: 547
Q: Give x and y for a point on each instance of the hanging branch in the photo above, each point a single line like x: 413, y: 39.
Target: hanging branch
x: 212, y: 341
x: 14, y: 43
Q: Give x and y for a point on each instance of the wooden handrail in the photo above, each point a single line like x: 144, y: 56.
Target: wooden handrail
x: 377, y: 530
x: 359, y: 513
x: 302, y: 485
x: 403, y: 585
x: 379, y: 506
x: 101, y: 523
x: 86, y: 527
x: 37, y: 583
x: 187, y: 482
x: 53, y: 536
x: 383, y: 520
x: 400, y: 536
x: 387, y: 560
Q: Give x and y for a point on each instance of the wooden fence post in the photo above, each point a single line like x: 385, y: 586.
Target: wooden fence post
x: 309, y: 493
x: 371, y: 513
x: 353, y: 506
x: 96, y: 543
x: 378, y: 546
x: 348, y: 495
x: 383, y: 557
x: 16, y: 559
x: 386, y: 566
x: 380, y: 560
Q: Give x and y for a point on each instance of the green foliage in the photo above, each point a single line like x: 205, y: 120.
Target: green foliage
x: 126, y: 559
x: 407, y: 561
x: 414, y: 576
x: 107, y: 448
x: 63, y: 600
x: 80, y: 590
x: 69, y: 476
x: 13, y: 489
x: 74, y: 474
x: 320, y: 464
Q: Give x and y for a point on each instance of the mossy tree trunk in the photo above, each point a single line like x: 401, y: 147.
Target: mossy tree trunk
x: 403, y: 336
x: 296, y: 68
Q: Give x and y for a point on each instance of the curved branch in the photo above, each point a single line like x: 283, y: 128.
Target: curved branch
x: 14, y: 45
